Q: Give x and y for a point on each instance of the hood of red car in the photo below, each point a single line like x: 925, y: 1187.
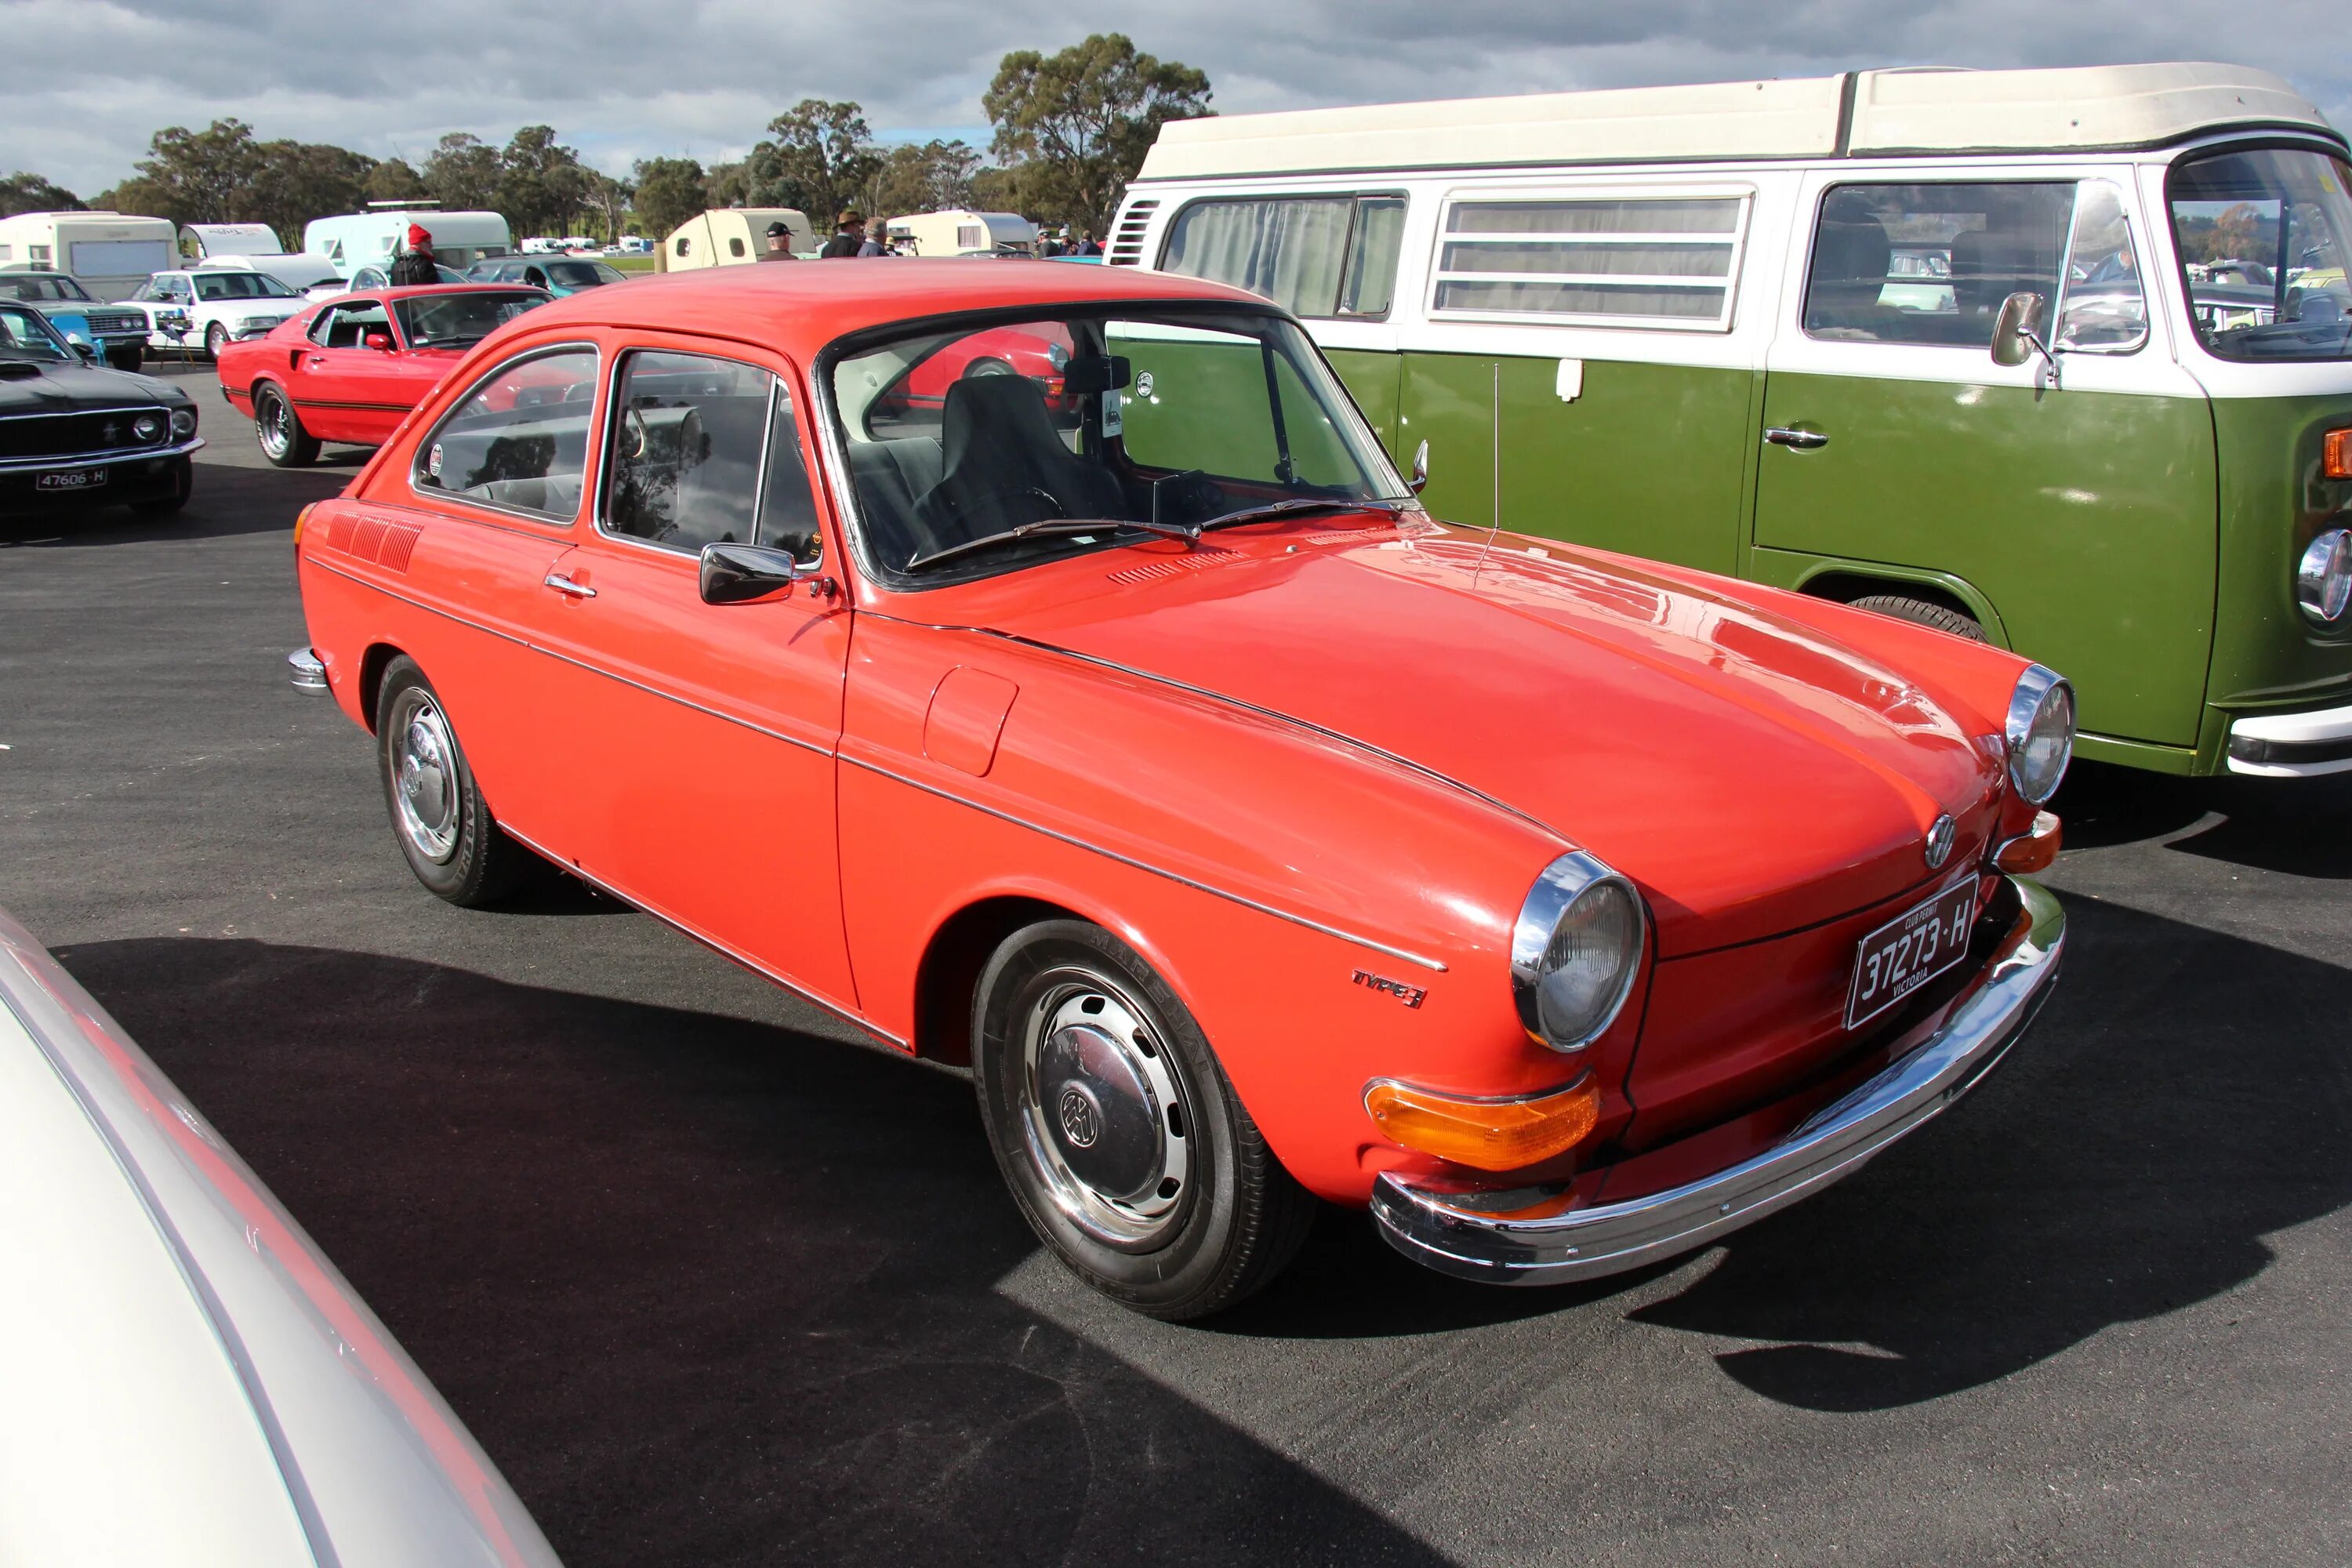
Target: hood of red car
x: 1753, y: 775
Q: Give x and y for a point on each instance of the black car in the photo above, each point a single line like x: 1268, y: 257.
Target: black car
x: 75, y: 434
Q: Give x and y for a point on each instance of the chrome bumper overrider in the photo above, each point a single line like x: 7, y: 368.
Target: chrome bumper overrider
x: 1530, y: 1237
x: 308, y: 671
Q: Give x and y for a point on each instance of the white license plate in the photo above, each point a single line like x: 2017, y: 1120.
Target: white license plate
x: 1910, y: 950
x: 79, y: 480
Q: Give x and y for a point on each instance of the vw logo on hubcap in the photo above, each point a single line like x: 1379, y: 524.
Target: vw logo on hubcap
x: 1079, y: 1123
x: 1939, y: 842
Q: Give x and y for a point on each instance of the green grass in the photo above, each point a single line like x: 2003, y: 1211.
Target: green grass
x: 632, y: 263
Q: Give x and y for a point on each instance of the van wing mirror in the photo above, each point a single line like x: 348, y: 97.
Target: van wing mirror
x: 739, y: 573
x: 1419, y: 480
x: 2017, y: 330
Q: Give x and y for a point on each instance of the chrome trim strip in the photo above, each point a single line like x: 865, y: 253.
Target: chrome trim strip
x: 79, y: 413
x: 571, y: 869
x: 17, y: 958
x: 98, y: 460
x: 567, y: 658
x: 1530, y: 1237
x: 1383, y: 753
x: 1348, y: 936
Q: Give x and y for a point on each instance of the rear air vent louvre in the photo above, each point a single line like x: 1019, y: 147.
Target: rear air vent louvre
x: 1126, y: 239
x: 388, y: 544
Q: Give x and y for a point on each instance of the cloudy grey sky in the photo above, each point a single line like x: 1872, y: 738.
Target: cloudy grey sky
x: 626, y: 79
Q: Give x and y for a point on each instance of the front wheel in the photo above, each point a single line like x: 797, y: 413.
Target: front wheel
x: 183, y: 484
x: 1122, y: 1140
x: 445, y: 831
x: 1925, y: 612
x: 215, y: 340
x: 279, y: 430
x: 124, y: 356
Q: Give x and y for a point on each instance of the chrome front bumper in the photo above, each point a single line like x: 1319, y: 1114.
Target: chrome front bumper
x: 1533, y: 1237
x: 2293, y: 745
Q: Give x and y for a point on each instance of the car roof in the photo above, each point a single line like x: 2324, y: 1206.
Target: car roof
x: 802, y: 306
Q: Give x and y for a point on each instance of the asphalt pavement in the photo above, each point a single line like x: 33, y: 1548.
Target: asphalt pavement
x: 715, y: 1282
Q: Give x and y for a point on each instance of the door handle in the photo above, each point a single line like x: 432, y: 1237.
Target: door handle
x: 1801, y: 440
x: 316, y: 359
x: 562, y: 585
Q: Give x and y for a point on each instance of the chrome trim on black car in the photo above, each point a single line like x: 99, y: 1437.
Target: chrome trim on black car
x: 1533, y: 1235
x: 96, y: 460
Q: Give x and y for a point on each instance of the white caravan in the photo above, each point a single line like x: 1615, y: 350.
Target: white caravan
x: 112, y: 253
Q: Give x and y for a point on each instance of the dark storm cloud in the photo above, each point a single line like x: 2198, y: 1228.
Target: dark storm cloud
x: 623, y: 79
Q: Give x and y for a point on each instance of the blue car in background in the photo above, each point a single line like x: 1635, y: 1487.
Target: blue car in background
x: 556, y: 274
x: 117, y: 331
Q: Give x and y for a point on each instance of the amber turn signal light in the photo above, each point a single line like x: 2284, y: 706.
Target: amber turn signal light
x: 2336, y: 455
x: 2031, y: 850
x: 1487, y: 1134
x: 300, y: 518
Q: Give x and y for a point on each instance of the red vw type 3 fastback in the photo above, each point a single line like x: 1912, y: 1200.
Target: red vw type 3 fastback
x: 1255, y: 837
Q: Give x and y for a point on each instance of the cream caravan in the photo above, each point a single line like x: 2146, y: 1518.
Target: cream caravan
x: 726, y: 237
x: 112, y: 253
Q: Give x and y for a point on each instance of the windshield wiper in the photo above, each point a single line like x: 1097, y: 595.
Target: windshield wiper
x: 1049, y: 527
x: 1284, y: 508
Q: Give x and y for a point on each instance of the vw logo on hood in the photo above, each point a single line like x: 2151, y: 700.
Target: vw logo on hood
x: 1939, y: 842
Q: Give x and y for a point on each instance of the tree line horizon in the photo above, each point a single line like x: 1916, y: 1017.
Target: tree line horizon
x: 1070, y: 129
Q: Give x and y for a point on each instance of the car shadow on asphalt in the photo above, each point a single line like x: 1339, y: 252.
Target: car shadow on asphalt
x: 2182, y: 1098
x: 710, y: 1291
x: 2275, y: 825
x: 227, y: 500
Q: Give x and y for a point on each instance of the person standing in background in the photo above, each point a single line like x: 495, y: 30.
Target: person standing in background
x: 849, y: 236
x: 415, y: 263
x: 780, y: 243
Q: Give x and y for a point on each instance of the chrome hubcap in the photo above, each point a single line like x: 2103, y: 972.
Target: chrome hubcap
x: 276, y: 420
x: 1105, y: 1118
x: 424, y: 781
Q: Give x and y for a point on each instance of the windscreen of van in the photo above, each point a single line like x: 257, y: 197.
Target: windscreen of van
x: 1931, y: 263
x: 1314, y: 255
x: 2264, y: 234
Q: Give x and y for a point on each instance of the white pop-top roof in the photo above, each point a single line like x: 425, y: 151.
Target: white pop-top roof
x: 1910, y: 111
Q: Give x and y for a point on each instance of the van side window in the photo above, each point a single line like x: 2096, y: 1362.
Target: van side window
x: 1320, y: 257
x: 519, y: 440
x: 1609, y: 261
x: 1931, y: 264
x: 687, y: 435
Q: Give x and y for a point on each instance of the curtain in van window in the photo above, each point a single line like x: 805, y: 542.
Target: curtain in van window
x: 1293, y: 252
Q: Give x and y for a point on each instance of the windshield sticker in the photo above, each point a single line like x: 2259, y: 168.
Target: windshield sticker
x: 433, y: 460
x: 1112, y: 424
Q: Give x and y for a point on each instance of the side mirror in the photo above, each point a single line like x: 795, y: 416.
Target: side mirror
x: 89, y: 354
x: 1419, y: 480
x: 380, y: 342
x: 739, y: 573
x: 2017, y: 330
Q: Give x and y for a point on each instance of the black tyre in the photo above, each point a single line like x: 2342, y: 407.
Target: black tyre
x: 183, y: 484
x: 279, y: 429
x: 1926, y: 612
x: 988, y: 367
x: 438, y: 817
x: 1117, y: 1132
x: 124, y: 356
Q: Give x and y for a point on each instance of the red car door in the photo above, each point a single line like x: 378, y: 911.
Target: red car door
x: 350, y: 383
x: 699, y: 739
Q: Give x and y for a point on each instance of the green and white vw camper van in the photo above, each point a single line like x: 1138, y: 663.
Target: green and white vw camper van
x: 2058, y: 358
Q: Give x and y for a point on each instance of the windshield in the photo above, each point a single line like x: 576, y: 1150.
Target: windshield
x: 25, y: 335
x: 240, y: 286
x: 2263, y: 236
x: 460, y: 320
x: 25, y: 286
x: 582, y: 274
x: 1163, y: 419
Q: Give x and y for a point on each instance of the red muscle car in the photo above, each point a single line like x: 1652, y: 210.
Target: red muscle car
x: 352, y: 368
x: 1253, y: 837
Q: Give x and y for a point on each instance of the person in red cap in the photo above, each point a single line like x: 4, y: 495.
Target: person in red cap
x: 415, y: 263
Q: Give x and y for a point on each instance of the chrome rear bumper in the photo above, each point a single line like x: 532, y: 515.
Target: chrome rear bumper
x: 1532, y: 1237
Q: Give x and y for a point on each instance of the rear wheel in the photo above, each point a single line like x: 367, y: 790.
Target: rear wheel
x: 1118, y: 1133
x: 988, y: 367
x: 1926, y: 612
x: 439, y: 818
x: 279, y: 430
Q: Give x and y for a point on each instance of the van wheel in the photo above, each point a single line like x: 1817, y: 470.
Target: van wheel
x: 1126, y: 1149
x: 1926, y: 612
x: 445, y: 831
x: 279, y: 430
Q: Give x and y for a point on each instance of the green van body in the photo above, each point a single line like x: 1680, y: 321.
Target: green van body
x: 2138, y: 532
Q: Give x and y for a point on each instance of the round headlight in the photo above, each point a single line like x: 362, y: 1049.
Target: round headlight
x: 148, y: 426
x: 1575, y: 952
x: 183, y: 422
x: 2322, y: 579
x: 2040, y: 733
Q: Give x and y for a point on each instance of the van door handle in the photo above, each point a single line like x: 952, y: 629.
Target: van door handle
x: 1802, y: 440
x: 562, y: 585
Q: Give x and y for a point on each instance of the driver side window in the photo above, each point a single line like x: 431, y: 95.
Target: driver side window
x: 687, y: 433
